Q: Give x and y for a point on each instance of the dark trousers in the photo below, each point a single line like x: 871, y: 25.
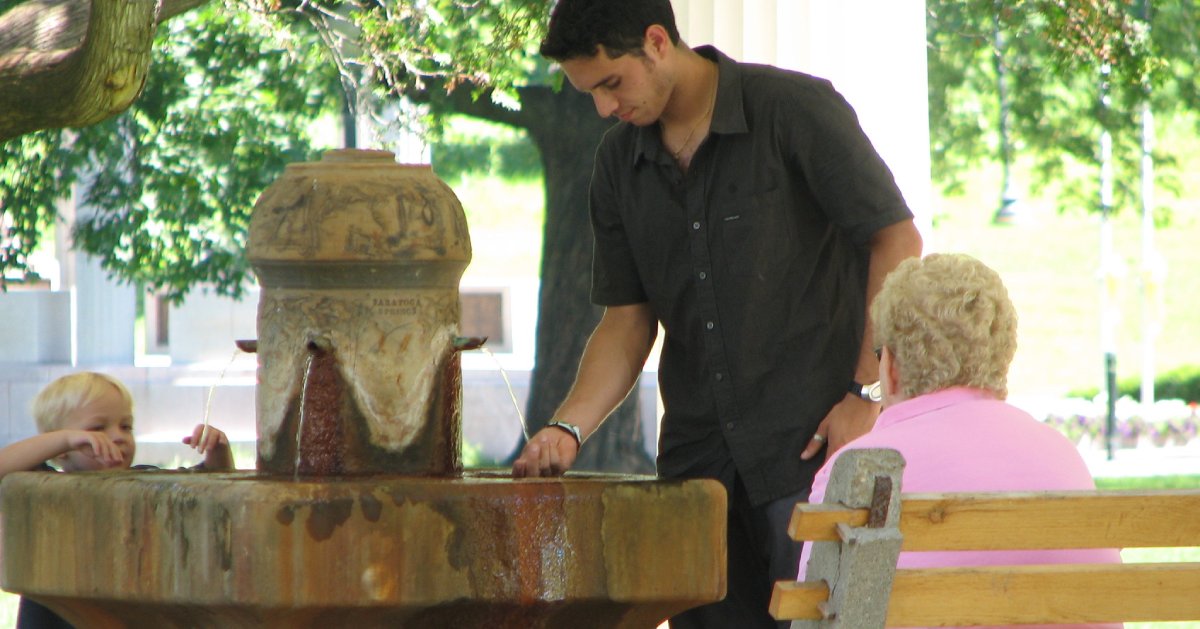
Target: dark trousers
x: 34, y: 615
x: 759, y: 554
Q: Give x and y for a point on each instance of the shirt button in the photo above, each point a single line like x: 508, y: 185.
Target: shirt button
x: 710, y: 326
x: 729, y: 425
x: 720, y: 376
x: 703, y: 275
x: 696, y: 225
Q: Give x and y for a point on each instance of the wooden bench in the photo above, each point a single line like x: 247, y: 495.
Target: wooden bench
x: 858, y: 532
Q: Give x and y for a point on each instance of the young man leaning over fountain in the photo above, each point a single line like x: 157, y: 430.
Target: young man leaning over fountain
x: 742, y: 208
x: 85, y: 422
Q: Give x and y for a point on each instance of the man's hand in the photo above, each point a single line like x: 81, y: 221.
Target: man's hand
x: 847, y: 420
x: 550, y: 452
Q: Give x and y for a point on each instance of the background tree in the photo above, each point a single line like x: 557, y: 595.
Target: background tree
x: 1009, y: 78
x: 69, y: 63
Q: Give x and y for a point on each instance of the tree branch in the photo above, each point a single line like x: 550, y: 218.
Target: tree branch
x: 73, y: 63
x: 172, y: 8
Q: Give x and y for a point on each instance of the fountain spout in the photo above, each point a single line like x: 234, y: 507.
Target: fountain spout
x: 466, y: 343
x: 320, y: 345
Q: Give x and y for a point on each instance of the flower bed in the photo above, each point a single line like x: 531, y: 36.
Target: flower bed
x: 1166, y: 423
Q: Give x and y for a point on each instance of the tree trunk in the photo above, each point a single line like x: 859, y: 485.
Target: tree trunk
x: 1006, y: 211
x: 564, y: 126
x: 566, y: 130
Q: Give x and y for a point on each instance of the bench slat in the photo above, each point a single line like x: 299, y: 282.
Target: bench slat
x: 1045, y: 594
x: 798, y: 601
x: 1035, y: 520
x: 997, y: 595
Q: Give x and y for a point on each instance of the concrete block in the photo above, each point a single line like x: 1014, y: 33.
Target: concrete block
x: 37, y: 327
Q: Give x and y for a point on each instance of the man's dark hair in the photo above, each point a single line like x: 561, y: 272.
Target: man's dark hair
x: 579, y: 27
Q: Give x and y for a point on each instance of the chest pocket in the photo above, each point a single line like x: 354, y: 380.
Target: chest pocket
x: 757, y: 234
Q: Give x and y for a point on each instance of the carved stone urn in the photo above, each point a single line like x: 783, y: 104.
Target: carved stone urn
x: 359, y: 260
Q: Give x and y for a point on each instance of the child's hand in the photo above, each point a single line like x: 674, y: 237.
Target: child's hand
x: 204, y: 438
x: 96, y: 445
x: 213, y: 444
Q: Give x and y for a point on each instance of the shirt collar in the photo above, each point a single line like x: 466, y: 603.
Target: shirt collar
x: 928, y: 403
x: 728, y: 114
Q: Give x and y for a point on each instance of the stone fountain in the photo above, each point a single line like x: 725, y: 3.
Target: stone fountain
x: 359, y: 514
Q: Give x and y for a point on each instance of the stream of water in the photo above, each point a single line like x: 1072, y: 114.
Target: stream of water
x: 300, y: 422
x: 211, y: 390
x: 511, y: 394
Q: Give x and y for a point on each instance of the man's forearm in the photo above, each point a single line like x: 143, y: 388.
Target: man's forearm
x: 890, y: 246
x: 852, y: 417
x: 611, y: 363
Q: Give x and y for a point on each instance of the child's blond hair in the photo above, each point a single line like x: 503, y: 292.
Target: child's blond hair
x: 59, y: 398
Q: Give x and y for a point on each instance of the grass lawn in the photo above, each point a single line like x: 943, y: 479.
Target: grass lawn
x: 1051, y: 261
x: 1050, y: 265
x: 505, y: 219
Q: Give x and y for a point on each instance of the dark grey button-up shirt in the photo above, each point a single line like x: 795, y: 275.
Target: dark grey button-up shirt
x: 755, y: 263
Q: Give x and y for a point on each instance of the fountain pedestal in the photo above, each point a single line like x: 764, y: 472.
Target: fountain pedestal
x: 179, y: 549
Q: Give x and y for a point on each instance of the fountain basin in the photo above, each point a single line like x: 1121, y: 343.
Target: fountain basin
x: 183, y: 549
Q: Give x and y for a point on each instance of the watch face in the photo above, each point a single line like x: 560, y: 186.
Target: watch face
x: 874, y: 391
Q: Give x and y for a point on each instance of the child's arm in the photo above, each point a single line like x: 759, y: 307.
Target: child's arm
x: 28, y: 454
x: 214, y: 445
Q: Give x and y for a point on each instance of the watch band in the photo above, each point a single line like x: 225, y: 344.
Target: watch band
x: 569, y: 427
x: 870, y: 392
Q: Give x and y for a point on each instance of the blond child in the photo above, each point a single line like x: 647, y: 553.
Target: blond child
x: 85, y: 422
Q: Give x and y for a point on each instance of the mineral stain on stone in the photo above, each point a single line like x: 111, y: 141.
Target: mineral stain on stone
x: 285, y: 515
x: 322, y: 443
x: 372, y: 507
x: 326, y: 516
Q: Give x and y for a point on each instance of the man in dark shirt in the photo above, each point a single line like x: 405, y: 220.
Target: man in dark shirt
x: 743, y: 209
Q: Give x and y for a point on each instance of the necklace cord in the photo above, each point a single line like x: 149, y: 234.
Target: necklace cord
x: 712, y: 103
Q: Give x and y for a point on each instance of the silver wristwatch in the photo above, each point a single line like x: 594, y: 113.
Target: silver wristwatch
x: 870, y: 392
x: 569, y: 427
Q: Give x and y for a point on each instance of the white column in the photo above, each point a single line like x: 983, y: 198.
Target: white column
x: 103, y: 312
x: 792, y: 50
x: 760, y: 30
x: 727, y: 21
x: 695, y: 21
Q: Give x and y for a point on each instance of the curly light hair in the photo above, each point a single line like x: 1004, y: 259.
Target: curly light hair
x: 947, y: 321
x: 57, y: 399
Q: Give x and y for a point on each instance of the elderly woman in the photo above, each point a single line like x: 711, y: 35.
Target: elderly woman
x: 948, y: 332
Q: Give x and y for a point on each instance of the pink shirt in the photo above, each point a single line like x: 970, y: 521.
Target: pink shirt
x: 964, y: 439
